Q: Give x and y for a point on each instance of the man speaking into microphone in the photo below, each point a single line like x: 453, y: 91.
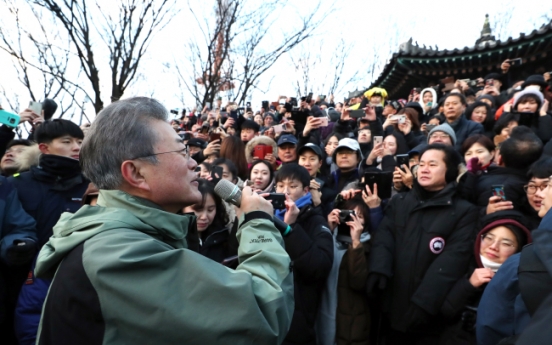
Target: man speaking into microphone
x: 123, y: 273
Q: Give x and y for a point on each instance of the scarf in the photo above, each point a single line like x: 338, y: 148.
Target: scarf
x: 300, y: 203
x: 59, y: 166
x: 489, y: 264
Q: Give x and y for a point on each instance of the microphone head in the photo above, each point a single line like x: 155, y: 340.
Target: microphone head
x: 228, y: 192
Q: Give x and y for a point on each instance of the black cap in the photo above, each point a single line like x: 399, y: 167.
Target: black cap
x: 536, y: 79
x: 197, y: 142
x: 314, y: 148
x: 494, y: 76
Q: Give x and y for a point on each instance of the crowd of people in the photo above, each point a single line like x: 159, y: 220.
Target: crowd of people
x: 418, y: 220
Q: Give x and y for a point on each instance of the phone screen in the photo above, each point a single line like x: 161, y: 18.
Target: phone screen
x: 498, y: 190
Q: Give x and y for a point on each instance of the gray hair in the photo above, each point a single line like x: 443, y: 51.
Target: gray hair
x: 120, y: 132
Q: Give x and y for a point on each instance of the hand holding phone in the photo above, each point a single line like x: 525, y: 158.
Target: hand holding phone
x: 498, y: 190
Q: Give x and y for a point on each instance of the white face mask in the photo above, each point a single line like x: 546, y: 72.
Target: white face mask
x: 489, y: 264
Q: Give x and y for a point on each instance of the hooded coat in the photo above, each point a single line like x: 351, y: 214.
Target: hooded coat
x: 123, y: 275
x: 262, y: 139
x: 423, y: 246
x: 463, y: 298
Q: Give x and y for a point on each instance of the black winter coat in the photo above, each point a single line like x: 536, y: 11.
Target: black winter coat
x: 513, y: 181
x: 310, y: 247
x: 423, y: 247
x: 465, y: 128
x: 45, y: 196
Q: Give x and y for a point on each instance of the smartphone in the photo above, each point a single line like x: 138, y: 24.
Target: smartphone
x: 208, y: 105
x: 205, y: 129
x: 214, y: 136
x: 402, y: 119
x: 384, y: 180
x: 309, y: 98
x: 515, y: 62
x: 489, y: 82
x: 279, y: 128
x: 265, y: 105
x: 278, y: 200
x: 324, y: 121
x: 248, y: 104
x: 9, y: 119
x: 430, y: 127
x: 320, y: 182
x: 498, y: 190
x: 300, y: 117
x: 36, y: 107
x: 429, y: 104
x: 322, y: 97
x: 293, y: 101
x: 260, y: 151
x: 402, y: 159
x: 378, y: 140
x: 357, y: 114
x: 216, y: 173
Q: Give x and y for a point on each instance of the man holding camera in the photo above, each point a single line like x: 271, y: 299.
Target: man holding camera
x: 123, y: 273
x: 310, y: 247
x: 422, y: 247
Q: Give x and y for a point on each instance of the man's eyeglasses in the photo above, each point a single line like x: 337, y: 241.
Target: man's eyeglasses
x: 533, y: 188
x: 185, y: 152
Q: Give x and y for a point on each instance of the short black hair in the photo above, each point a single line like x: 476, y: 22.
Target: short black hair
x: 452, y: 160
x: 231, y: 166
x: 15, y: 142
x: 459, y: 95
x: 251, y: 125
x: 522, y: 149
x: 293, y: 171
x: 53, y: 129
x: 541, y: 168
x: 49, y: 106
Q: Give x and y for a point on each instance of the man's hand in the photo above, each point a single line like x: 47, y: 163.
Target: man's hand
x: 376, y: 152
x: 497, y: 204
x: 21, y: 252
x: 312, y: 123
x: 481, y: 276
x: 28, y: 115
x: 370, y: 113
x: 315, y: 192
x: 505, y: 66
x: 251, y: 201
x: 292, y: 211
x: 371, y: 198
x: 350, y: 193
x: 213, y: 147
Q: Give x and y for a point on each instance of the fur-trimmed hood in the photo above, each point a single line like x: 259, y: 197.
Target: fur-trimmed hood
x: 28, y: 157
x: 262, y: 139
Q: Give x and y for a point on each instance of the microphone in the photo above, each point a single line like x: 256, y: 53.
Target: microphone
x: 231, y: 193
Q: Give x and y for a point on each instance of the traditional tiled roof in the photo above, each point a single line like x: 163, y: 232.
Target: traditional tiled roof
x: 415, y: 66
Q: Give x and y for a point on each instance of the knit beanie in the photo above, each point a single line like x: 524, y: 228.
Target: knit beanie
x: 445, y: 128
x: 533, y: 92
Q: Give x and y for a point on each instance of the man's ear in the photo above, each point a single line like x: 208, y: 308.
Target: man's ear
x: 44, y: 148
x: 132, y: 172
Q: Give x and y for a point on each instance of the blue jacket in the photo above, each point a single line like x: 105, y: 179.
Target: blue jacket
x: 16, y: 224
x: 465, y: 128
x: 501, y: 312
x: 45, y: 197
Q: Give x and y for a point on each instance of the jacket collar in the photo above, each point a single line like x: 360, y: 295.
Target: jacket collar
x: 171, y: 228
x: 444, y: 197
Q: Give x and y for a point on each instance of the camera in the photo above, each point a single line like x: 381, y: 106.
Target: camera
x: 175, y: 111
x: 346, y: 216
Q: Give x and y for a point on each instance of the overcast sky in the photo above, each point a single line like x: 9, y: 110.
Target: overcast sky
x: 364, y: 25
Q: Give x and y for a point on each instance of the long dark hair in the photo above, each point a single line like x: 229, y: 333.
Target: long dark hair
x: 233, y: 149
x: 221, y: 217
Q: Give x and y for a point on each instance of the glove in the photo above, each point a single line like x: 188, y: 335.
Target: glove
x: 21, y: 252
x: 376, y: 281
x: 474, y: 166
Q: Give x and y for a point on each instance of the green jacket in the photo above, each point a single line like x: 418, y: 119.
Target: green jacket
x: 152, y: 290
